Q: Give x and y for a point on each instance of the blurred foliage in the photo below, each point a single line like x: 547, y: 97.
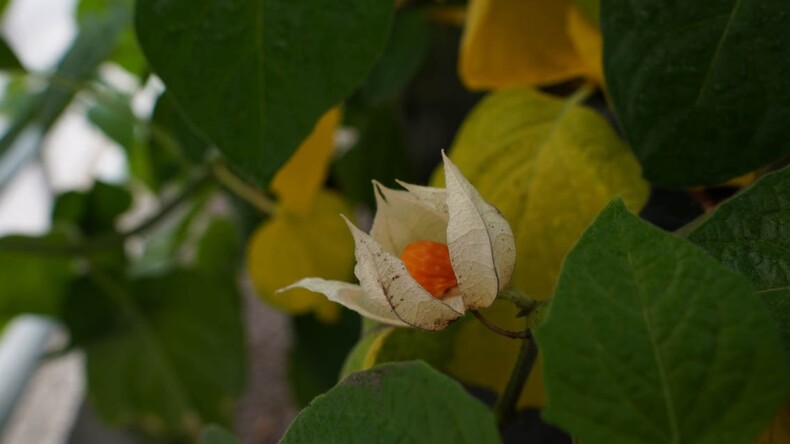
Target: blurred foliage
x: 317, y: 353
x: 275, y: 117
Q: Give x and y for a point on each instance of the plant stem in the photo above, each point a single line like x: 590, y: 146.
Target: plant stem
x: 242, y: 189
x: 580, y: 95
x: 497, y: 330
x: 105, y: 241
x: 518, y: 298
x: 505, y: 408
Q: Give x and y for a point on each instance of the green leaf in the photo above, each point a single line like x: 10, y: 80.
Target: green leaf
x: 255, y: 75
x: 549, y: 165
x: 33, y: 281
x: 750, y: 234
x: 406, y: 344
x: 403, y: 402
x: 214, y: 434
x: 126, y: 51
x: 387, y: 344
x: 93, y: 212
x: 405, y: 51
x: 19, y: 95
x: 8, y: 60
x: 219, y: 249
x: 318, y: 352
x: 173, y: 133
x: 379, y: 154
x: 650, y: 340
x: 176, y: 342
x: 700, y: 88
x: 94, y: 41
x: 165, y: 247
x: 115, y: 119
x: 171, y: 146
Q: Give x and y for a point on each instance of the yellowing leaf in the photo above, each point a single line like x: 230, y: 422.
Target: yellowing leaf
x: 518, y: 42
x: 297, y: 183
x: 550, y: 166
x: 292, y: 246
x: 778, y: 431
x: 587, y: 41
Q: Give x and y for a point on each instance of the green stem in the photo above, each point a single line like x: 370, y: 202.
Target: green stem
x: 518, y: 298
x: 534, y: 310
x: 497, y: 330
x: 242, y: 189
x: 580, y: 95
x: 505, y: 408
x: 106, y: 241
x: 191, y: 188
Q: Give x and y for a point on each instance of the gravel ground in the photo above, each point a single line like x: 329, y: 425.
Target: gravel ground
x: 266, y: 409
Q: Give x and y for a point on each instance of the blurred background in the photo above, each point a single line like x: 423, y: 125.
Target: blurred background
x: 42, y: 378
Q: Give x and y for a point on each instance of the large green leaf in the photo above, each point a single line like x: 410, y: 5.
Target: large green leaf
x: 751, y: 234
x: 255, y: 75
x: 700, y: 88
x: 405, y: 51
x: 402, y: 402
x: 164, y: 353
x: 650, y: 340
x: 172, y: 133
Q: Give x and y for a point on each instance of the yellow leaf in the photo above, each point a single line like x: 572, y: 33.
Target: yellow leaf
x: 587, y: 41
x: 778, y: 431
x: 297, y: 183
x: 291, y: 246
x: 550, y: 166
x: 518, y: 42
